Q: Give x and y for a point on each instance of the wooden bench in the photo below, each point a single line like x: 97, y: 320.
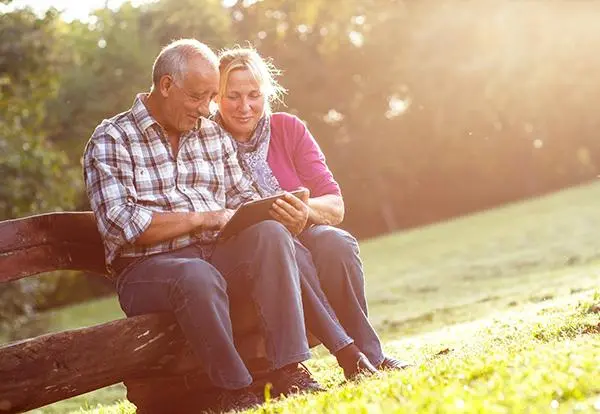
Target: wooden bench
x: 147, y: 353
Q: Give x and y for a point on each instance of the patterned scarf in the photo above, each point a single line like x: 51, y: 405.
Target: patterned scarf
x: 253, y: 156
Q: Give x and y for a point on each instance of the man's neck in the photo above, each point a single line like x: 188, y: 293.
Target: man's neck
x: 154, y: 107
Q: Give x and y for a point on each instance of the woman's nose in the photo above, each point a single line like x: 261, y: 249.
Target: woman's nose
x: 244, y: 104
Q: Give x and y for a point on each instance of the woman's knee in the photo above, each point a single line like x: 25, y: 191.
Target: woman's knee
x: 333, y: 241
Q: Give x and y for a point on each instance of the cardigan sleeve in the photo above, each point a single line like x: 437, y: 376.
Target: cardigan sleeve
x: 309, y: 160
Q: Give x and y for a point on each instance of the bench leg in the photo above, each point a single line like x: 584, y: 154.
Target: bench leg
x: 175, y: 394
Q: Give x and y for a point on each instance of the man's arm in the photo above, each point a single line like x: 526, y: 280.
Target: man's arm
x: 121, y: 220
x: 166, y: 226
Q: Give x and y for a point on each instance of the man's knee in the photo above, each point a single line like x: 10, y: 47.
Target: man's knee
x: 199, y: 278
x: 271, y: 232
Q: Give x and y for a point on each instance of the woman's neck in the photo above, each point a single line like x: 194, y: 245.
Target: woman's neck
x: 243, y: 138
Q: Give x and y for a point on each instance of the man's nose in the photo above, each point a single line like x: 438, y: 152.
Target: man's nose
x: 203, y: 108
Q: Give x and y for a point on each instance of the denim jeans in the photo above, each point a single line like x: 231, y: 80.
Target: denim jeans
x: 321, y: 319
x: 335, y: 254
x: 197, y: 292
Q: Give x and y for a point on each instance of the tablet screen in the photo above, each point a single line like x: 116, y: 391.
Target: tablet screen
x: 251, y: 213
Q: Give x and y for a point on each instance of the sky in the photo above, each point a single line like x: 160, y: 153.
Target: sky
x: 72, y: 9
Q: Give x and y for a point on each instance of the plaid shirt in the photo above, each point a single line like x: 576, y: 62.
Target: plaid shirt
x: 129, y: 172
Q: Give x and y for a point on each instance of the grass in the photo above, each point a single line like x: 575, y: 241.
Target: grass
x: 494, y: 307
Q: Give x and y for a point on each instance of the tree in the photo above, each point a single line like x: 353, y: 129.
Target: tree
x: 35, y: 176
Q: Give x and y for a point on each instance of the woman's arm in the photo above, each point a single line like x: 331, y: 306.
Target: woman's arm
x: 326, y: 209
x: 326, y: 205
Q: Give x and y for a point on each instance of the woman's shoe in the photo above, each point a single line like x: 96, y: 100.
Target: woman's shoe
x: 390, y: 363
x: 362, y: 366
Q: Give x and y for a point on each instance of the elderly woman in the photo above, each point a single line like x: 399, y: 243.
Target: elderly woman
x: 281, y: 155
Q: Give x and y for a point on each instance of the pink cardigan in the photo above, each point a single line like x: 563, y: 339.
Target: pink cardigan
x: 296, y: 159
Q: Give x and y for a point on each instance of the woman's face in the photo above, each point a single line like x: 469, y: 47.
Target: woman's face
x: 243, y: 104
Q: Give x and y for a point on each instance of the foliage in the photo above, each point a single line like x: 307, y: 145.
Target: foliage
x: 426, y: 130
x: 105, y: 63
x: 35, y: 176
x: 437, y: 131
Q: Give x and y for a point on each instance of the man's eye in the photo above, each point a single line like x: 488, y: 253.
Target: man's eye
x: 255, y: 95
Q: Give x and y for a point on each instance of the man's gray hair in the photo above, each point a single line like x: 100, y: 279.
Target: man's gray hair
x: 173, y: 59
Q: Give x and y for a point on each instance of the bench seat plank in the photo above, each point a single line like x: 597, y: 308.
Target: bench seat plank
x: 53, y: 367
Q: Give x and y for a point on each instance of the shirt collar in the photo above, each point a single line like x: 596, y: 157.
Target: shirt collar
x: 140, y: 113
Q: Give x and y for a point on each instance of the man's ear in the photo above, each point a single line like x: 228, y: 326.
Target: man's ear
x: 165, y: 85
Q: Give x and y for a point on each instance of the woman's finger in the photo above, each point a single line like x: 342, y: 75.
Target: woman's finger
x: 294, y: 201
x: 294, y: 226
x: 283, y: 213
x: 300, y: 211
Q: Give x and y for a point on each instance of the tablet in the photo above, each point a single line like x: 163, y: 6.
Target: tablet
x: 251, y: 213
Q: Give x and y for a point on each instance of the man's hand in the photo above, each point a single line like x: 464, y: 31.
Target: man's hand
x: 214, y: 220
x: 291, y: 211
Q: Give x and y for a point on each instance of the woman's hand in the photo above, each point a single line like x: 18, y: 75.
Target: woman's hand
x: 291, y: 211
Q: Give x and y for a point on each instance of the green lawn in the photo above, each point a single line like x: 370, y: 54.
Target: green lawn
x: 501, y: 296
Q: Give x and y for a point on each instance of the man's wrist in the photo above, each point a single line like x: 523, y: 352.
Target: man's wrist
x: 196, y: 220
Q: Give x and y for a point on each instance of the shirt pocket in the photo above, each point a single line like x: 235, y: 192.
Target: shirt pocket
x: 154, y: 182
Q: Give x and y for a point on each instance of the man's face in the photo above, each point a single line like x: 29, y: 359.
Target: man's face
x: 188, y: 99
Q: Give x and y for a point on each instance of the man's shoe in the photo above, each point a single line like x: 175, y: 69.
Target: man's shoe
x: 390, y: 363
x: 294, y: 379
x: 362, y: 367
x: 237, y: 400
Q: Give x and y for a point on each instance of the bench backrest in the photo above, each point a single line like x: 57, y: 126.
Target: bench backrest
x: 49, y: 242
x: 39, y: 371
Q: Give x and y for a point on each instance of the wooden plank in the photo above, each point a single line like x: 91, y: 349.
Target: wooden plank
x: 46, y: 242
x: 50, y: 368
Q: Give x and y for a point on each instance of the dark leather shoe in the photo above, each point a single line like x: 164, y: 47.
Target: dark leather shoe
x: 362, y: 367
x: 394, y: 364
x: 294, y: 379
x: 237, y: 400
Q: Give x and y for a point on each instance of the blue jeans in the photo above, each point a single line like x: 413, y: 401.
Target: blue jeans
x: 321, y: 319
x: 197, y: 293
x: 335, y: 254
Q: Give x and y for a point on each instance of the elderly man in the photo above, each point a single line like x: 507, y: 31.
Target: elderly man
x: 162, y: 180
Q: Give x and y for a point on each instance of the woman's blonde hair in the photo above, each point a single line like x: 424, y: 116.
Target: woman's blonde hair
x: 263, y: 71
